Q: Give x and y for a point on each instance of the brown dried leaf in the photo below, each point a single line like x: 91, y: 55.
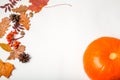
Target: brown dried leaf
x: 24, y: 20
x: 20, y: 9
x: 4, y: 26
x: 6, y: 69
x: 16, y: 52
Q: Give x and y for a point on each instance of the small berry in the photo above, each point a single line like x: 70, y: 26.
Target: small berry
x: 22, y: 33
x: 16, y: 44
x: 31, y: 14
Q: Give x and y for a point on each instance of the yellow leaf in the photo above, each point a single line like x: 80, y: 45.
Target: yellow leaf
x: 6, y: 47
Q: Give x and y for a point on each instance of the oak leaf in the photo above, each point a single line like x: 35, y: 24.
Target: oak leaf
x: 20, y: 9
x: 5, y: 47
x: 37, y: 5
x: 4, y: 24
x: 16, y: 52
x: 6, y: 69
x: 24, y: 20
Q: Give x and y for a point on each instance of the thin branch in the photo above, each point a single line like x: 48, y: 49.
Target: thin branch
x: 58, y: 5
x: 19, y: 37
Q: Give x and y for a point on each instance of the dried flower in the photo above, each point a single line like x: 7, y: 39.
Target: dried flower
x: 24, y: 57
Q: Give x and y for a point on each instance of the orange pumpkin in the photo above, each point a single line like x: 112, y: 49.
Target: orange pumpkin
x: 102, y: 59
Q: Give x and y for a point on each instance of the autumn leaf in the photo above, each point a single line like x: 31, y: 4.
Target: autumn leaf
x: 37, y: 5
x: 24, y: 20
x: 5, y: 47
x: 16, y: 52
x: 6, y: 69
x: 4, y: 26
x: 20, y: 9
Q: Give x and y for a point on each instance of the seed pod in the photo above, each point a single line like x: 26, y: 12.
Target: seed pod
x: 5, y: 9
x: 31, y: 14
x: 11, y: 5
x: 9, y: 8
x: 22, y: 33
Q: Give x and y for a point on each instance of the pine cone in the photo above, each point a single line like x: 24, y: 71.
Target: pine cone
x: 14, y: 17
x: 24, y: 57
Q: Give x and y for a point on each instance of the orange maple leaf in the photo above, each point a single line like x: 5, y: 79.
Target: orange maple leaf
x: 4, y: 26
x: 6, y: 69
x: 37, y: 5
x: 24, y: 20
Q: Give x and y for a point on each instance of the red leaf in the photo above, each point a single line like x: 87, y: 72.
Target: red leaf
x: 37, y: 5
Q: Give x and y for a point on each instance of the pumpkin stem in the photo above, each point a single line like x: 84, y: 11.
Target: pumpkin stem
x: 113, y: 56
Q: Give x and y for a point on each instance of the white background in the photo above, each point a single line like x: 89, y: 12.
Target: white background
x: 58, y: 37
